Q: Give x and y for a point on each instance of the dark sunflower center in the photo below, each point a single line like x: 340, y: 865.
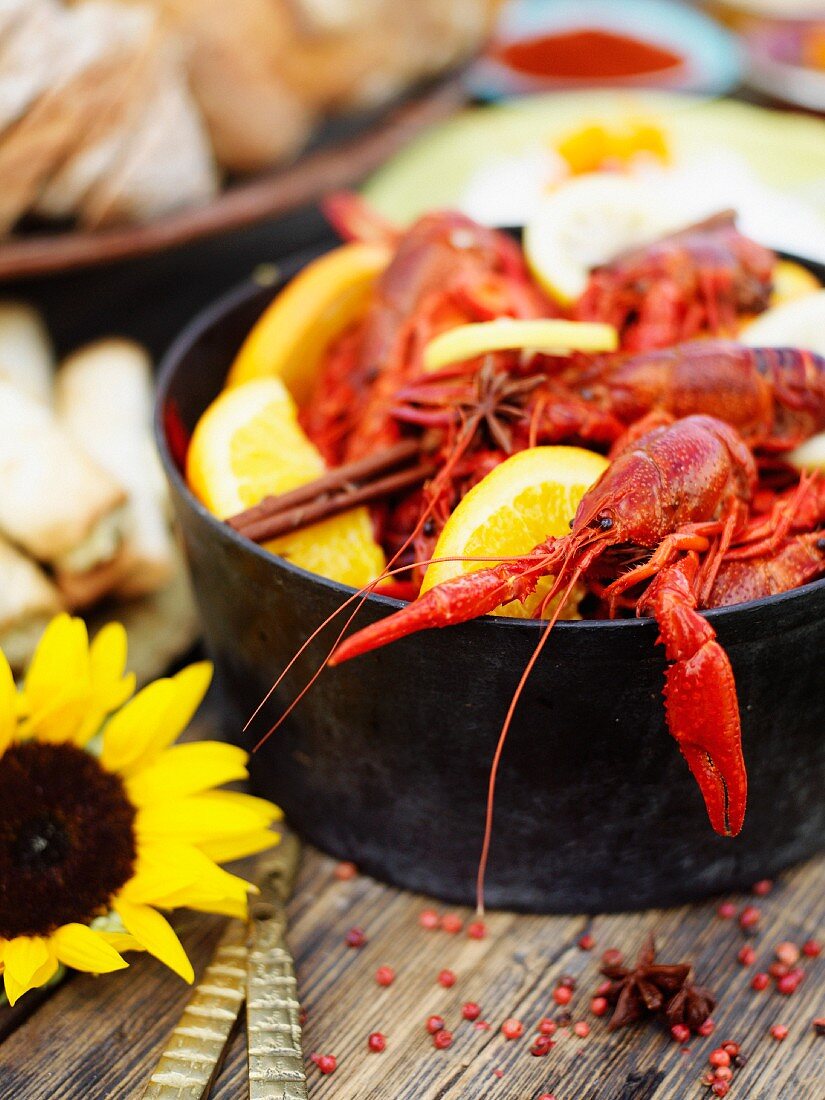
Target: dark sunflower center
x: 67, y: 842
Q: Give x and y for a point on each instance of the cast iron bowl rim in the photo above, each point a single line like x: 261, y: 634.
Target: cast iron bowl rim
x: 216, y: 312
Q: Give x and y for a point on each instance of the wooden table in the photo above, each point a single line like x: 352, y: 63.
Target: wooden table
x: 98, y: 1038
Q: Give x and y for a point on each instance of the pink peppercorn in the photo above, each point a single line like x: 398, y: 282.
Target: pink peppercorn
x: 787, y: 953
x: 707, y: 1028
x: 541, y: 1049
x: 778, y: 970
x: 586, y: 942
x: 819, y: 1025
x: 719, y: 1057
x: 726, y: 910
x: 599, y: 1007
x: 434, y: 1024
x: 812, y: 948
x: 760, y: 981
x: 326, y: 1063
x: 442, y: 1039
x: 763, y: 887
x: 446, y: 978
x: 428, y: 918
x: 377, y: 1042
x: 680, y: 1033
x: 612, y: 957
x: 749, y: 917
x: 723, y: 1073
x: 547, y: 1026
x: 477, y: 930
x: 512, y: 1029
x: 345, y: 871
x: 356, y: 937
x: 720, y: 1088
x: 779, y: 1032
x: 452, y: 923
x: 385, y: 975
x: 604, y: 988
x: 789, y: 983
x: 546, y: 1096
x: 731, y: 1048
x: 746, y: 956
x: 562, y: 995
x: 471, y: 1011
x: 582, y: 1029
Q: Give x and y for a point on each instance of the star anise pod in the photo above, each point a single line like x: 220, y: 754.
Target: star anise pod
x: 643, y: 989
x: 691, y: 1006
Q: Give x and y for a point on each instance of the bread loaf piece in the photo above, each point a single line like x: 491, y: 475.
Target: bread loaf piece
x: 28, y: 600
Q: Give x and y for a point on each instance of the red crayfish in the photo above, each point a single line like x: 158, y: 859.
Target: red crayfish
x: 699, y: 280
x: 678, y: 492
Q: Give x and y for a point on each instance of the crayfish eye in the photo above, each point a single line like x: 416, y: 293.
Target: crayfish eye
x: 601, y: 523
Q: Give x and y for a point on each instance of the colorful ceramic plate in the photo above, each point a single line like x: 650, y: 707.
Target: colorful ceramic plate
x: 489, y: 160
x: 712, y: 59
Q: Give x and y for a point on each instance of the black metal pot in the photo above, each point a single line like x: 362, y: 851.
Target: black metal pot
x: 385, y: 762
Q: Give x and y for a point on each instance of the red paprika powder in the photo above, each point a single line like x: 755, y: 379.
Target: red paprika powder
x: 587, y: 53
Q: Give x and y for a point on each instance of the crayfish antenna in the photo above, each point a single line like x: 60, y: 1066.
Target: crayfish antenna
x: 700, y: 696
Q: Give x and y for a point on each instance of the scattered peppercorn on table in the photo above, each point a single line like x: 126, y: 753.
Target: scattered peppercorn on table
x: 521, y: 1015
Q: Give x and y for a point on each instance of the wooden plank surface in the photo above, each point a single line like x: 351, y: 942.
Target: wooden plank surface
x: 99, y: 1038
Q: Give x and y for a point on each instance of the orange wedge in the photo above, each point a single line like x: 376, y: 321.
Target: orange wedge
x: 292, y: 334
x: 530, y: 496
x: 248, y: 445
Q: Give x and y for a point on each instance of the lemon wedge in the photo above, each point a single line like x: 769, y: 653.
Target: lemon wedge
x: 529, y: 497
x: 551, y: 336
x: 587, y: 221
x: 791, y: 281
x: 799, y: 323
x: 292, y: 334
x: 248, y: 445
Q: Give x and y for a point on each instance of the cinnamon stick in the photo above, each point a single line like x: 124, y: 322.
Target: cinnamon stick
x: 313, y: 511
x: 342, y: 477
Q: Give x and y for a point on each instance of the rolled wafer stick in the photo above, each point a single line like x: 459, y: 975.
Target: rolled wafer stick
x: 103, y: 397
x: 55, y: 502
x: 26, y: 356
x: 28, y: 600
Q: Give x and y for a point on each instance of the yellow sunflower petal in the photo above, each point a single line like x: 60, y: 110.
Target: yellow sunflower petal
x: 196, y: 818
x: 265, y: 808
x: 191, y: 685
x: 208, y: 903
x: 107, y: 665
x: 121, y: 941
x: 23, y: 957
x: 81, y: 948
x: 157, y: 936
x: 187, y: 769
x: 62, y: 656
x: 162, y: 869
x: 8, y: 705
x: 225, y: 848
x: 132, y: 729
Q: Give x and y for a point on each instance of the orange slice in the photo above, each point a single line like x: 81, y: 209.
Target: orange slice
x: 248, y: 445
x: 530, y: 496
x: 290, y: 337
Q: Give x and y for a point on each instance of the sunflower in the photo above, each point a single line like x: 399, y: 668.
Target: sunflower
x: 103, y: 821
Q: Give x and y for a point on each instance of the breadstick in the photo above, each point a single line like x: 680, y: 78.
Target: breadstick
x: 104, y: 400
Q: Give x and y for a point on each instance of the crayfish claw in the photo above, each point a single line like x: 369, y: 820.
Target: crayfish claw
x: 703, y: 716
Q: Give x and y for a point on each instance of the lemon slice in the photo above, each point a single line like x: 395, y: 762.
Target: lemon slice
x: 551, y: 336
x: 796, y: 324
x: 247, y: 445
x: 290, y: 337
x: 587, y: 221
x: 530, y: 496
x: 791, y: 281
